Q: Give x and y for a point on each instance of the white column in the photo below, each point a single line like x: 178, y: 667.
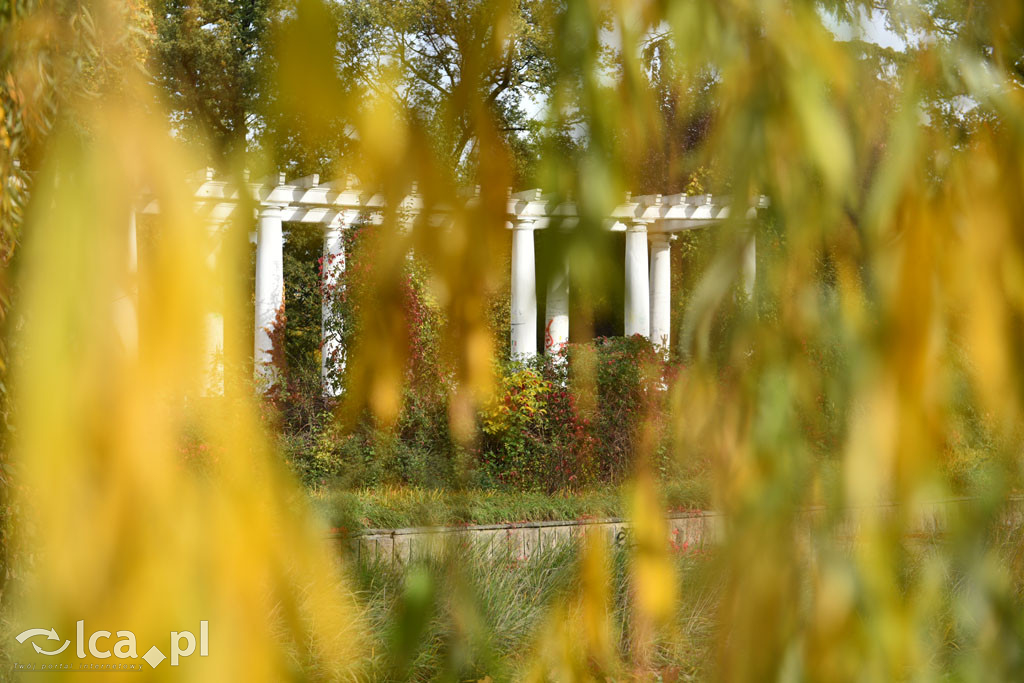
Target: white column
x: 269, y: 288
x: 749, y: 266
x: 332, y: 354
x: 638, y: 301
x: 661, y: 290
x: 524, y: 293
x: 556, y: 309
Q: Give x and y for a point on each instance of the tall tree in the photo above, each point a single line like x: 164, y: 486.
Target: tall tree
x: 208, y: 60
x: 686, y: 107
x: 437, y: 56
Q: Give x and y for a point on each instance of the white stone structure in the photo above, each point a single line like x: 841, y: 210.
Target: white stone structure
x: 332, y: 352
x: 269, y: 284
x: 523, y: 307
x: 638, y: 286
x: 661, y: 289
x: 649, y: 223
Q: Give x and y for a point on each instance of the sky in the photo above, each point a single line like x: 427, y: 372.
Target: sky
x: 870, y: 28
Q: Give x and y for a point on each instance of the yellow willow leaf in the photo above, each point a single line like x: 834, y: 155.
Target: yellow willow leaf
x: 384, y: 133
x: 595, y: 601
x: 653, y: 574
x: 154, y: 507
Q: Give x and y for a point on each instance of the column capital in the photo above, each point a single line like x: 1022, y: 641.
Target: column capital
x: 660, y: 238
x: 271, y: 210
x: 637, y: 226
x: 524, y: 224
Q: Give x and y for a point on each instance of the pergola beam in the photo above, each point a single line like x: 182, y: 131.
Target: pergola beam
x: 305, y: 199
x: 648, y: 221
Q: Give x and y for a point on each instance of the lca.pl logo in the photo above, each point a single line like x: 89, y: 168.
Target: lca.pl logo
x: 182, y: 644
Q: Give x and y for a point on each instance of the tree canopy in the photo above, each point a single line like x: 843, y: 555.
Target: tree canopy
x: 208, y: 60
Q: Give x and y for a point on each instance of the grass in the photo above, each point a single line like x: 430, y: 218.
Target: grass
x: 394, y: 507
x: 468, y: 615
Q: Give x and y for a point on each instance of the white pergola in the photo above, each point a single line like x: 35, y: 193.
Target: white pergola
x: 649, y: 221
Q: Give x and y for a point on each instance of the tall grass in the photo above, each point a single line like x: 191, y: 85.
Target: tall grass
x: 470, y: 612
x: 474, y: 612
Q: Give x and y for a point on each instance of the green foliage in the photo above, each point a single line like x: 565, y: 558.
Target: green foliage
x: 418, y: 448
x: 430, y: 53
x: 630, y: 375
x: 297, y: 397
x: 686, y: 108
x: 351, y: 509
x: 208, y: 61
x: 548, y: 428
x: 212, y: 64
x: 519, y: 400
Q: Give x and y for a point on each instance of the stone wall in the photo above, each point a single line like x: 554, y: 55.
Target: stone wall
x: 686, y: 531
x: 518, y: 540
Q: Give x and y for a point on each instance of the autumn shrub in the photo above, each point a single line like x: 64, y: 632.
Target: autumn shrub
x: 629, y: 383
x: 567, y: 421
x: 536, y: 433
x: 529, y: 432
